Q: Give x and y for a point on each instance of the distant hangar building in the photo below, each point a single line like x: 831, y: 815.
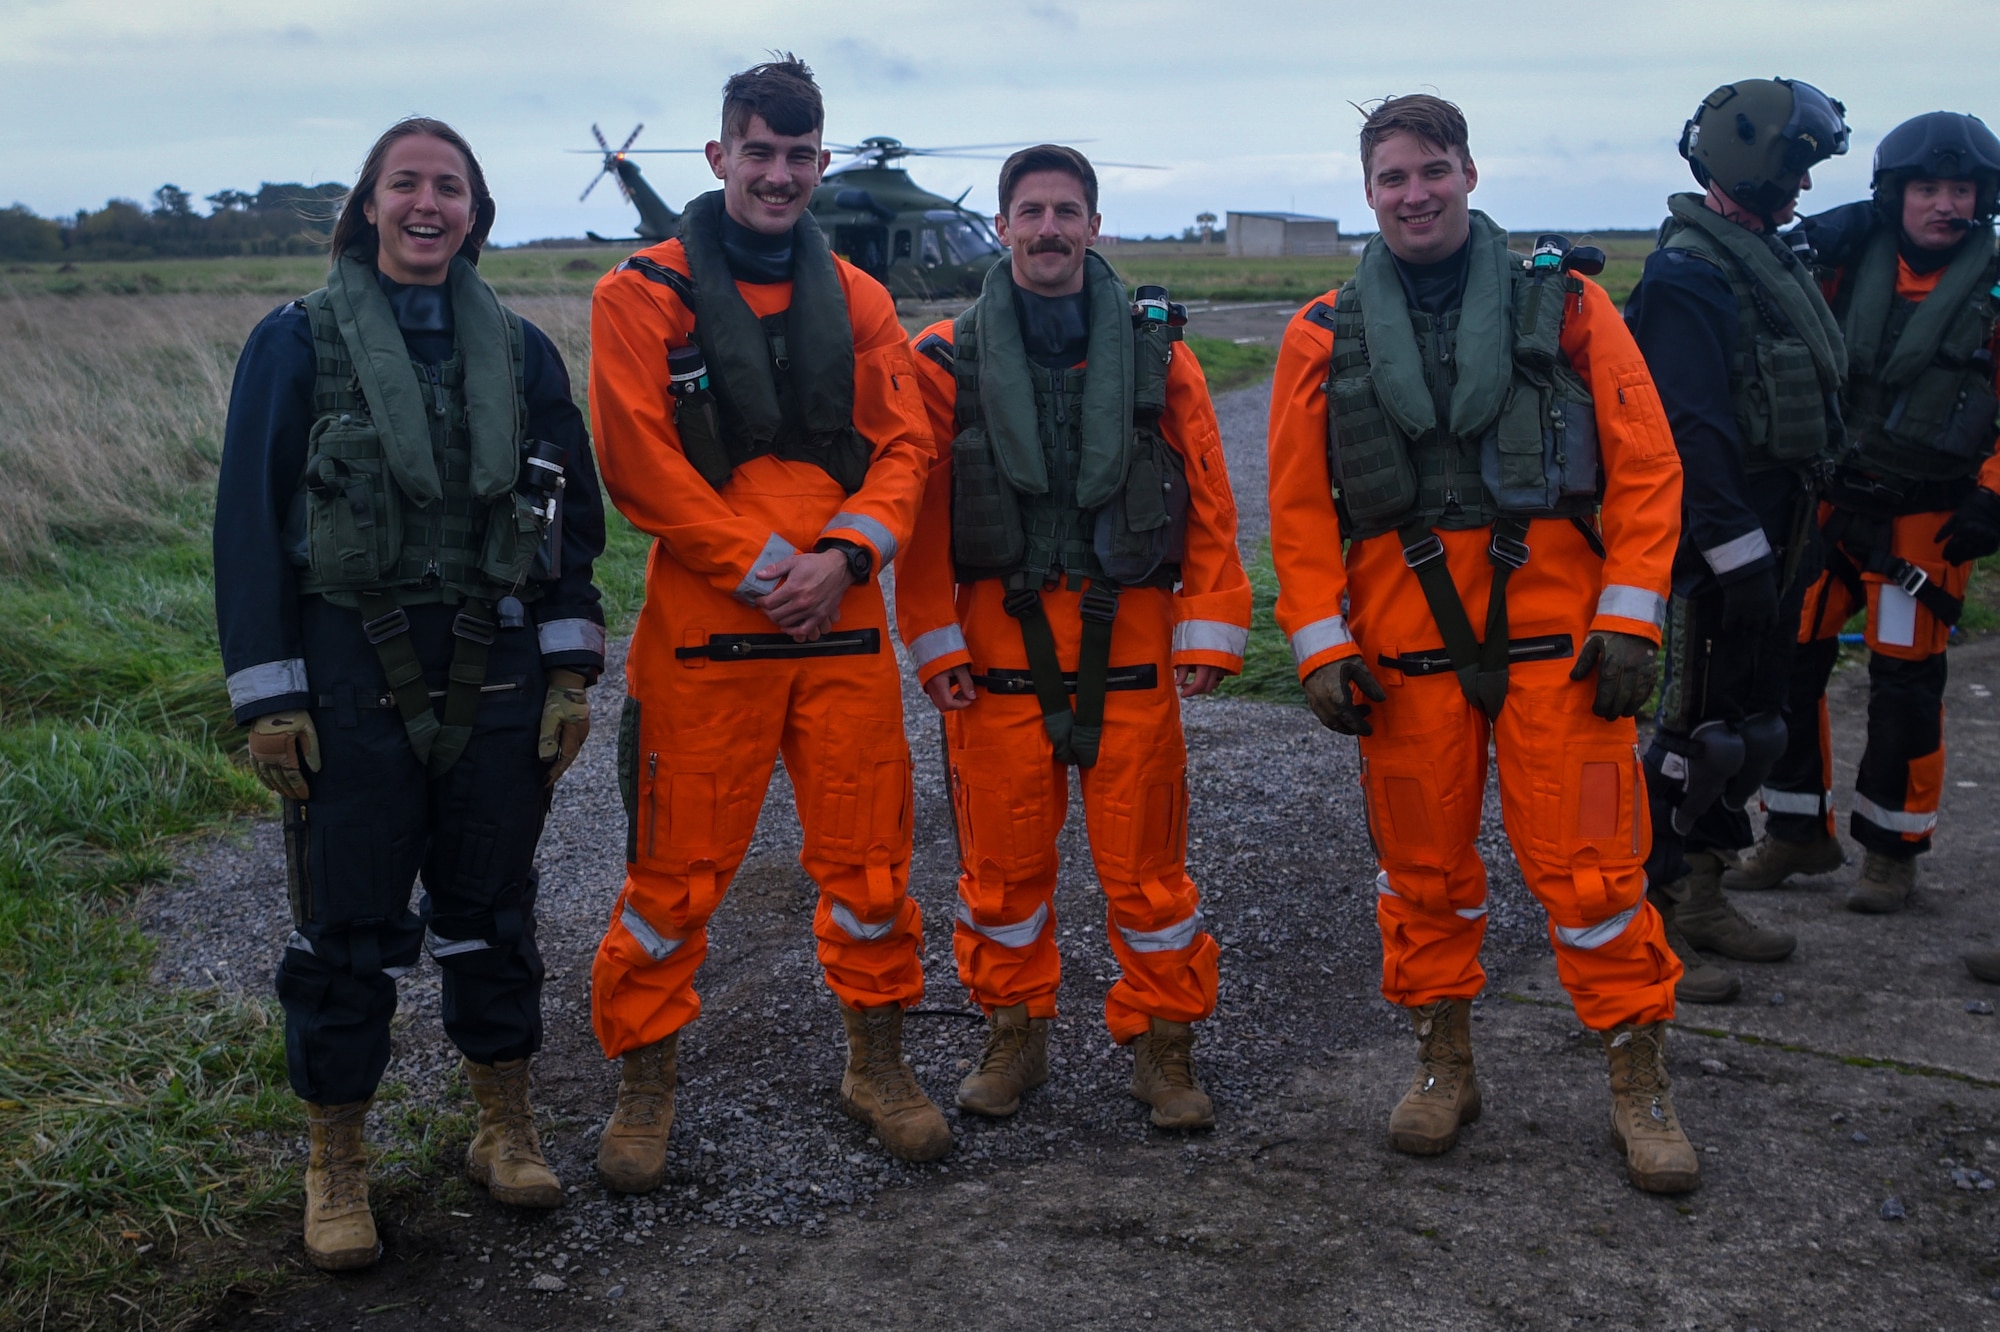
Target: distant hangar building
x: 1269, y: 235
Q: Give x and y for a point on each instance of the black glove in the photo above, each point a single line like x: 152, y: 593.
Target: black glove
x: 1333, y: 703
x: 1750, y: 605
x: 1973, y: 531
x: 1625, y: 671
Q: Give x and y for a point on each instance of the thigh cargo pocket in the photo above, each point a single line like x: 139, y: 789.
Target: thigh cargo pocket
x: 1008, y: 813
x: 863, y: 803
x: 692, y: 806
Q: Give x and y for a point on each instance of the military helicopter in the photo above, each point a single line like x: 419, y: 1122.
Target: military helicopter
x: 919, y: 245
x: 657, y: 222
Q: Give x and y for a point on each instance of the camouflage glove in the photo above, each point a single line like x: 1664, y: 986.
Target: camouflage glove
x: 1625, y: 665
x: 278, y: 740
x: 1332, y: 702
x: 565, y: 722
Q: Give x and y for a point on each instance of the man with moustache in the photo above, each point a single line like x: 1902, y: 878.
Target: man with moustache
x: 1482, y: 434
x: 1072, y: 577
x: 1915, y: 499
x: 758, y: 417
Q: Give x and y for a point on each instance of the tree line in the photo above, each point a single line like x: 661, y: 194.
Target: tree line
x: 287, y: 218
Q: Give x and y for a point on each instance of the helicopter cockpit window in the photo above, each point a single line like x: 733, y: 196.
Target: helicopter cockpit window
x: 902, y: 244
x: 932, y: 255
x: 964, y: 242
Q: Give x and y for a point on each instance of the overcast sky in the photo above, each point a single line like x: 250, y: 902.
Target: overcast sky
x: 1574, y: 109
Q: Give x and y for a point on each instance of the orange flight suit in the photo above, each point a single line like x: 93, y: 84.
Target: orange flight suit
x: 1571, y: 790
x: 1010, y: 795
x: 708, y: 731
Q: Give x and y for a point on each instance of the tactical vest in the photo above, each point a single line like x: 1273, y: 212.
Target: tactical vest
x: 1784, y: 398
x: 1924, y: 411
x: 1109, y: 501
x: 355, y: 530
x: 1538, y: 457
x: 783, y: 384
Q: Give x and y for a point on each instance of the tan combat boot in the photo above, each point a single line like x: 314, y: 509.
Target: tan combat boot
x: 1774, y: 860
x: 1884, y: 885
x: 1984, y: 965
x: 1444, y: 1096
x: 632, y: 1151
x: 1014, y: 1060
x: 1701, y: 982
x: 340, y: 1231
x: 1658, y: 1156
x: 879, y: 1089
x: 1711, y: 924
x: 1163, y: 1077
x: 505, y: 1157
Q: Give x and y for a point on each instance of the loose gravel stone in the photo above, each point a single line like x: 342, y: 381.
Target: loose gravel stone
x: 1979, y: 1007
x: 1892, y: 1210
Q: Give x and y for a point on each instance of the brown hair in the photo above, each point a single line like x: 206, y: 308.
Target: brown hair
x: 355, y: 234
x: 781, y: 90
x: 1047, y: 157
x: 1437, y: 122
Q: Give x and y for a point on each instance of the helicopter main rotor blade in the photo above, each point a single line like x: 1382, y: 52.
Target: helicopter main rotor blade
x: 626, y: 147
x: 979, y: 147
x: 588, y: 188
x: 598, y: 134
x: 627, y: 152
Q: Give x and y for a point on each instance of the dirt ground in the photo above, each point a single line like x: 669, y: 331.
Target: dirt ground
x: 1855, y: 1074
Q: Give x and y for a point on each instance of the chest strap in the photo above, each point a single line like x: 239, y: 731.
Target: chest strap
x: 438, y: 745
x: 1074, y: 735
x: 1480, y: 664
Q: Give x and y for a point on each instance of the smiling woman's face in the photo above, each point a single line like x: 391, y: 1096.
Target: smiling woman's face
x: 422, y: 209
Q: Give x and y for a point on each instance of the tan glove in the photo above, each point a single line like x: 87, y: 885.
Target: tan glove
x: 1328, y: 693
x: 277, y: 742
x: 565, y: 722
x: 1627, y: 666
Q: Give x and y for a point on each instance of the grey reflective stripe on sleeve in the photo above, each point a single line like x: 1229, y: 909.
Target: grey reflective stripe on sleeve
x: 1895, y: 820
x: 570, y: 636
x: 657, y: 945
x: 851, y: 923
x: 1383, y: 889
x: 1165, y: 939
x: 878, y: 536
x: 1598, y: 935
x: 753, y: 587
x: 453, y: 947
x: 1735, y: 554
x: 1632, y: 603
x: 300, y: 942
x: 1210, y: 636
x: 273, y: 679
x: 1007, y: 936
x: 1794, y: 802
x: 927, y: 648
x: 1318, y: 636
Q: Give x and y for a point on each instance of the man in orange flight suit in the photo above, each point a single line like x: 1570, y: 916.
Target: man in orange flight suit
x: 1464, y: 388
x: 1047, y: 564
x: 774, y: 479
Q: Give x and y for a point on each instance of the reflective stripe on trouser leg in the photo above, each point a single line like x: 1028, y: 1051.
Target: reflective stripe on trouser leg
x: 1900, y: 778
x: 1796, y: 792
x: 642, y: 979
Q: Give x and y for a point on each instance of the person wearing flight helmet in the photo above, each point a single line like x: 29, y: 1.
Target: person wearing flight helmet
x: 1911, y: 504
x: 1749, y: 362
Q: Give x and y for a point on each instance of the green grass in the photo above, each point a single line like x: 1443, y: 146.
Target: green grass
x: 1231, y: 365
x: 512, y: 273
x: 1269, y: 672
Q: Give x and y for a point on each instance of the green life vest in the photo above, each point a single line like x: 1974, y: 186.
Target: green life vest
x: 409, y: 483
x: 1920, y: 404
x: 1064, y: 471
x: 1451, y: 421
x: 1790, y: 360
x: 784, y: 384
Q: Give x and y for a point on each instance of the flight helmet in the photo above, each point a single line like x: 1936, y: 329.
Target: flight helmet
x: 1941, y: 145
x: 1756, y: 138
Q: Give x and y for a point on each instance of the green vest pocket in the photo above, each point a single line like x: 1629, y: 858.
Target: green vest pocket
x: 1369, y: 463
x: 1797, y: 405
x: 985, y: 517
x: 513, y: 535
x: 354, y: 523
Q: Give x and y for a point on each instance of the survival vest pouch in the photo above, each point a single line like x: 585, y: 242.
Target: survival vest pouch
x: 1466, y: 420
x: 783, y: 385
x: 1920, y: 404
x: 1790, y: 360
x: 1065, y: 474
x: 414, y: 490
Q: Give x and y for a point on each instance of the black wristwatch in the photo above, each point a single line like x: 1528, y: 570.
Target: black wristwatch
x: 859, y: 562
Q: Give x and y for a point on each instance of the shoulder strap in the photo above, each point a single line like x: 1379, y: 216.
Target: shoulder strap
x: 655, y: 271
x: 965, y: 366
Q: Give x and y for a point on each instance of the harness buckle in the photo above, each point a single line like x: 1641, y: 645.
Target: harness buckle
x: 1508, y: 550
x: 1909, y: 577
x: 1100, y: 603
x: 1021, y: 601
x: 468, y: 626
x: 1423, y: 552
x: 385, y: 626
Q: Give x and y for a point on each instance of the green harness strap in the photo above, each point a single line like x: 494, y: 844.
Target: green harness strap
x: 1073, y: 734
x: 1481, y: 665
x: 438, y: 745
